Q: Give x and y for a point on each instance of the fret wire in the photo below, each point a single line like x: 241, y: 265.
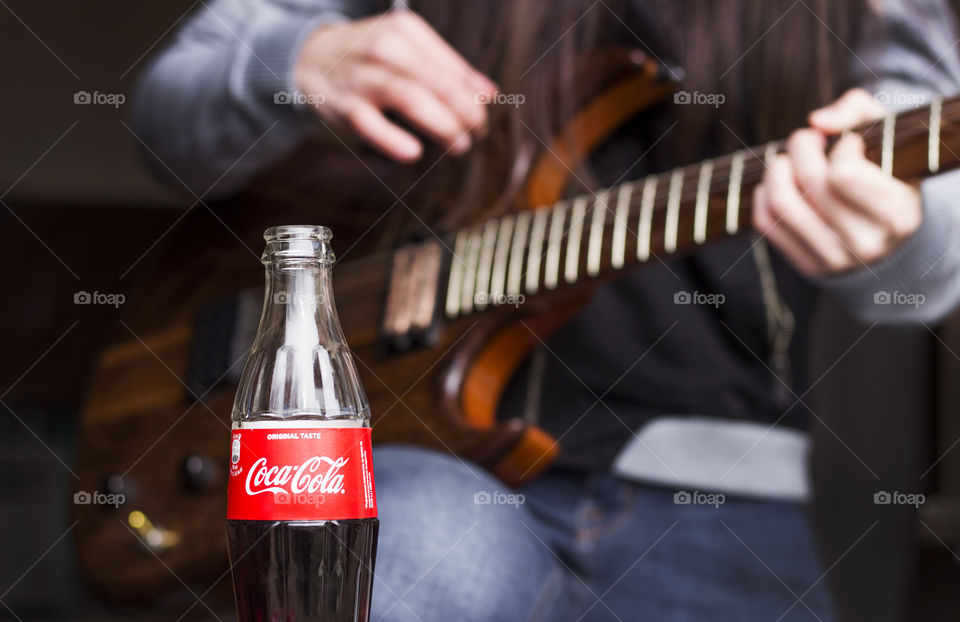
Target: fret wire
x: 499, y: 277
x: 703, y: 202
x: 770, y: 153
x: 537, y: 234
x: 456, y: 275
x: 574, y: 237
x: 886, y: 153
x: 733, y: 192
x: 516, y: 253
x: 551, y: 274
x: 647, y: 199
x: 470, y: 271
x: 673, y: 211
x: 933, y: 147
x: 597, y: 221
x: 486, y: 263
x: 619, y: 249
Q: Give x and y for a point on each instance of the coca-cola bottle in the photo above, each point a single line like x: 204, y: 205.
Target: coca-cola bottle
x: 301, y: 509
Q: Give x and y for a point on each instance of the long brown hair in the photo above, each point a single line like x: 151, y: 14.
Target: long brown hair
x: 772, y: 60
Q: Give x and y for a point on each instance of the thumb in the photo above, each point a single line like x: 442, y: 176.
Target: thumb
x: 854, y: 108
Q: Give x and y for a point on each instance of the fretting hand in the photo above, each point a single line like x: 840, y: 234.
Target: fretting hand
x: 832, y: 212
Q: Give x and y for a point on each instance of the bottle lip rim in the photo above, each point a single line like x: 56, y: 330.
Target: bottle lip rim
x: 298, y: 232
x: 301, y: 243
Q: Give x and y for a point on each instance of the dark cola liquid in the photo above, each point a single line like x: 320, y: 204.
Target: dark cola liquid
x: 300, y: 571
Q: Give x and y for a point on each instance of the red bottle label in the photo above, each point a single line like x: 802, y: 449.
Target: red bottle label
x: 287, y: 473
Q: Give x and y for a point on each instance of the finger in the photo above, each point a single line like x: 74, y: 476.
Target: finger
x: 422, y: 109
x: 805, y: 148
x: 369, y: 123
x: 853, y: 108
x: 430, y: 60
x: 795, y: 214
x: 881, y: 199
x: 789, y: 246
x: 435, y: 44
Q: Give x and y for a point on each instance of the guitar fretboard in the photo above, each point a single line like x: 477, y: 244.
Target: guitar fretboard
x: 525, y: 254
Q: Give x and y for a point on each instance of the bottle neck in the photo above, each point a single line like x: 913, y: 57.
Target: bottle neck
x: 298, y: 304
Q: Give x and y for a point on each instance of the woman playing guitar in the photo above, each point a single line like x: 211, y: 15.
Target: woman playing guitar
x: 677, y: 391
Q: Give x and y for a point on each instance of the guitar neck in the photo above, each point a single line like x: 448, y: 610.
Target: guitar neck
x: 590, y: 235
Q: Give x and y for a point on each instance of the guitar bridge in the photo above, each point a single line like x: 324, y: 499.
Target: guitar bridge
x: 410, y: 316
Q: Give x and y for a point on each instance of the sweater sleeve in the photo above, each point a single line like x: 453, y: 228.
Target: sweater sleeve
x: 907, y: 56
x: 217, y: 105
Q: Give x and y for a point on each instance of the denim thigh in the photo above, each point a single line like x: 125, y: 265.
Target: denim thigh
x: 455, y: 544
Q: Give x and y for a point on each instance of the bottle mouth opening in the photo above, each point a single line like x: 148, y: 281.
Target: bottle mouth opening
x: 310, y: 242
x: 298, y: 232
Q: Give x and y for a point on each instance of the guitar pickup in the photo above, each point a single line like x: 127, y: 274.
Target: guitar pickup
x: 410, y: 315
x: 223, y: 331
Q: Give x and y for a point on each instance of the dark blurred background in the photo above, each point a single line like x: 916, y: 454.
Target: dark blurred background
x: 80, y: 213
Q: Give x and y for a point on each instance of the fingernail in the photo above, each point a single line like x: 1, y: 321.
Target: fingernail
x: 411, y: 150
x: 485, y: 84
x: 461, y: 145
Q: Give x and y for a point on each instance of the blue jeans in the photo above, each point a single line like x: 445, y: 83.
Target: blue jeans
x: 456, y: 545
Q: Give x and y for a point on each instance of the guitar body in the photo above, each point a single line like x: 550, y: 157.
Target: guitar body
x: 148, y: 436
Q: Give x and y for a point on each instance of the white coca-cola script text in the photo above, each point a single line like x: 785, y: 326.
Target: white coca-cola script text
x: 291, y: 479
